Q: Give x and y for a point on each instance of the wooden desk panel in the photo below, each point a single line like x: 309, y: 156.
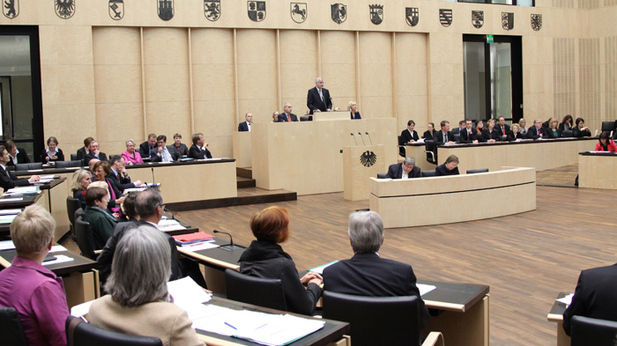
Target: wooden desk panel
x: 597, y: 171
x: 242, y: 148
x: 556, y: 315
x: 417, y: 152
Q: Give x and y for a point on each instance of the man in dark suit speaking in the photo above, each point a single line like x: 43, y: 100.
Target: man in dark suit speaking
x: 246, y: 125
x: 367, y: 274
x: 405, y: 170
x: 287, y: 115
x: 318, y: 99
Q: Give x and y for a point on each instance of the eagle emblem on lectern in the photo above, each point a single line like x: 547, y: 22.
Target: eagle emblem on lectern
x: 368, y: 158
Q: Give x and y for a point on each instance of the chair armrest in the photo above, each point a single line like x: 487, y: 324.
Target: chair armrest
x: 433, y: 339
x: 98, y: 252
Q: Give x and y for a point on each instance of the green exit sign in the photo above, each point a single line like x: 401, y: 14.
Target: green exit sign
x: 490, y: 39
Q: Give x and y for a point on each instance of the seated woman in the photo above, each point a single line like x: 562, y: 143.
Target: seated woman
x: 522, y: 123
x: 353, y: 110
x: 33, y: 290
x: 138, y: 302
x: 553, y: 128
x: 428, y: 134
x: 265, y: 258
x: 566, y: 124
x: 130, y: 155
x: 515, y: 134
x: 52, y: 153
x: 580, y: 130
x: 102, y: 223
x: 605, y: 143
x: 449, y: 167
x: 80, y: 182
x: 178, y: 149
x: 490, y: 134
x: 101, y: 170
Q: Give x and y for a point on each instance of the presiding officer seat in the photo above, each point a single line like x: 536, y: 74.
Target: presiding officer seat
x: 79, y: 332
x: 378, y: 320
x: 248, y: 289
x: 592, y: 331
x: 11, y: 329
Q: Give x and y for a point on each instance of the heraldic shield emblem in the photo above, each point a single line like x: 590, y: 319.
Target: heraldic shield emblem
x: 65, y: 9
x: 507, y: 20
x: 477, y: 19
x: 10, y: 8
x: 338, y: 12
x: 412, y: 16
x: 445, y: 16
x: 298, y: 11
x: 166, y: 9
x: 212, y: 10
x: 536, y: 22
x: 116, y: 9
x: 257, y: 10
x: 376, y: 14
x: 368, y: 158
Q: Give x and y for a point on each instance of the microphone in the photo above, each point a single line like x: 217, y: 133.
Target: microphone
x: 173, y: 213
x: 152, y: 171
x: 360, y: 133
x: 230, y: 246
x: 354, y: 139
x: 369, y: 137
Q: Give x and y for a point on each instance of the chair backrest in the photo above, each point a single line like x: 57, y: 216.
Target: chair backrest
x: 382, y: 175
x: 28, y: 166
x: 11, y: 328
x: 72, y: 204
x: 375, y: 320
x: 79, y: 212
x: 73, y: 163
x: 608, y: 126
x: 428, y: 173
x: 79, y: 332
x: 567, y: 133
x: 478, y: 170
x: 73, y: 157
x: 592, y: 331
x: 85, y: 239
x: 431, y: 151
x: 268, y: 293
x: 306, y: 118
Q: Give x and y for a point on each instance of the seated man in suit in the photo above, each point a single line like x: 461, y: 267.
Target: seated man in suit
x: 178, y: 149
x: 468, y: 134
x: 246, y: 124
x: 367, y: 274
x: 95, y: 153
x: 118, y: 176
x: 318, y: 98
x: 460, y: 128
x: 148, y: 147
x: 199, y: 149
x: 287, y: 115
x: 444, y: 136
x: 405, y: 170
x: 16, y: 155
x: 162, y: 153
x: 536, y: 131
x: 502, y: 128
x: 594, y: 296
x: 8, y: 180
x: 409, y: 135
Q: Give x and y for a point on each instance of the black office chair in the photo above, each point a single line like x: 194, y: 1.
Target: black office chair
x: 382, y: 175
x: 586, y: 331
x: 74, y: 157
x: 478, y: 170
x: 608, y: 126
x: 457, y: 137
x: 79, y: 332
x: 428, y: 173
x: 72, y: 204
x: 376, y: 320
x: 28, y: 166
x: 401, y: 147
x: 567, y: 133
x: 430, y: 148
x: 11, y: 329
x: 65, y: 164
x: 268, y: 293
x: 85, y: 239
x: 306, y: 118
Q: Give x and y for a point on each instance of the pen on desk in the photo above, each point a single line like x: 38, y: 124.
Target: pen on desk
x: 229, y: 325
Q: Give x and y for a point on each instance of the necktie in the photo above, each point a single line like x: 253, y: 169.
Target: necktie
x: 445, y: 137
x: 288, y: 118
x: 503, y: 130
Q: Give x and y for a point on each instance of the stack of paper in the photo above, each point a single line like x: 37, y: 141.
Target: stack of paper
x: 170, y: 225
x: 7, y: 215
x: 22, y: 189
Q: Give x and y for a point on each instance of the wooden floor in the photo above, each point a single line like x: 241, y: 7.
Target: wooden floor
x: 526, y: 258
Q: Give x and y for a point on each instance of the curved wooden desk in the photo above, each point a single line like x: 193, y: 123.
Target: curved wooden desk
x: 466, y: 197
x: 597, y: 170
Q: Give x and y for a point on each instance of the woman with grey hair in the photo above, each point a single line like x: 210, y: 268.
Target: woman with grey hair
x: 130, y: 155
x: 138, y: 302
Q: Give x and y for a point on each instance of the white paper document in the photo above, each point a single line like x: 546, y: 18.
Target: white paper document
x: 81, y: 309
x: 170, y: 225
x: 424, y: 289
x: 59, y: 259
x: 209, y: 244
x: 6, y: 245
x: 6, y: 200
x: 319, y: 270
x: 57, y: 248
x: 567, y: 299
x: 10, y: 211
x: 7, y: 218
x: 22, y: 190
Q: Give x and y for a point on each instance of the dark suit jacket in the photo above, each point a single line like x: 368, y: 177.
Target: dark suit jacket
x: 22, y: 157
x: 406, y: 136
x: 119, y: 182
x: 355, y: 116
x: 512, y: 137
x: 60, y: 156
x: 313, y: 101
x: 178, y: 153
x: 196, y: 153
x: 81, y: 153
x: 243, y: 126
x: 486, y: 135
x: 466, y: 138
x: 395, y: 171
x: 427, y: 135
x: 367, y: 274
x: 438, y: 137
x: 283, y: 117
x: 88, y: 157
x: 595, y: 296
x: 10, y: 181
x: 500, y: 132
x: 144, y: 149
x: 442, y: 170
x: 534, y: 134
x: 579, y: 133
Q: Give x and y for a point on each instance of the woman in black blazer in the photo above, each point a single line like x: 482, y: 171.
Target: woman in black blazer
x: 409, y: 135
x: 353, y: 110
x: 428, y: 134
x: 52, y: 153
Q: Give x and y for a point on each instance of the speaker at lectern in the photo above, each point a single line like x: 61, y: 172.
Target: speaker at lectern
x: 359, y: 164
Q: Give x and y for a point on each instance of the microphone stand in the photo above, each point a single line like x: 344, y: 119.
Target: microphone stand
x: 354, y: 139
x: 230, y: 246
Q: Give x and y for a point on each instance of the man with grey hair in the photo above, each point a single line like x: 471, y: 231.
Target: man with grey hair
x: 287, y: 115
x: 536, y: 131
x: 404, y: 170
x: 367, y: 274
x: 318, y: 98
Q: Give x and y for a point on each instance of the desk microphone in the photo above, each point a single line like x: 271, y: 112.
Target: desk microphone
x: 354, y: 139
x: 152, y: 171
x: 230, y: 246
x: 173, y: 213
x: 360, y: 133
x: 369, y: 137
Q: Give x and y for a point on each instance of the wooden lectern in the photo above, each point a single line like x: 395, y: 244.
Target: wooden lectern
x: 359, y: 164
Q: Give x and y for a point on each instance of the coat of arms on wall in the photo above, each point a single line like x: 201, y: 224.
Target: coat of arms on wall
x: 256, y: 10
x: 116, y: 9
x: 376, y: 13
x: 166, y: 9
x: 65, y: 9
x: 477, y: 19
x: 10, y: 8
x: 536, y: 22
x: 507, y: 20
x: 412, y: 16
x: 338, y: 12
x: 445, y: 16
x: 212, y: 10
x: 298, y: 11
x: 368, y: 158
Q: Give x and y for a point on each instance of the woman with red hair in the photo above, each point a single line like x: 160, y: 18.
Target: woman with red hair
x: 265, y: 258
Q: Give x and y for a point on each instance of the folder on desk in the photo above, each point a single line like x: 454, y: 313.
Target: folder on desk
x: 189, y: 238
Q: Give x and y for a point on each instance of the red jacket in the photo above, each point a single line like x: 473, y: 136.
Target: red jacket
x: 612, y: 147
